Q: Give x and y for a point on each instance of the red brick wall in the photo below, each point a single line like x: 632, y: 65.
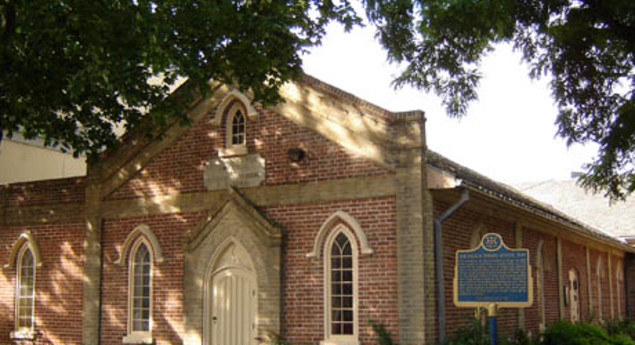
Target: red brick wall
x: 303, y: 288
x: 167, y: 277
x: 629, y: 262
x: 552, y: 288
x: 180, y: 167
x: 531, y: 240
x: 58, y: 283
x: 43, y: 192
x: 574, y: 258
x: 618, y: 304
x: 457, y: 233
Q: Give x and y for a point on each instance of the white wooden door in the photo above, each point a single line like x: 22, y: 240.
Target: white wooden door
x: 233, y: 309
x: 574, y: 297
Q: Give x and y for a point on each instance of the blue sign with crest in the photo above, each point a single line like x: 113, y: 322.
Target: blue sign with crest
x: 493, y: 273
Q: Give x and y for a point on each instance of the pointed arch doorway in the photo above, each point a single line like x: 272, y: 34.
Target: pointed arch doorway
x: 230, y: 252
x: 231, y: 298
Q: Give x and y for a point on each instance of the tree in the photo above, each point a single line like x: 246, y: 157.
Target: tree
x: 73, y: 69
x: 586, y: 46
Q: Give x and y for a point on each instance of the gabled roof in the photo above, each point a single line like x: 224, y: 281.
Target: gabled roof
x: 358, y: 126
x: 618, y: 218
x: 470, y: 179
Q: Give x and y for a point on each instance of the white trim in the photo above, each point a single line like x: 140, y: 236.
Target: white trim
x: 340, y: 339
x: 212, y: 271
x: 139, y: 337
x: 154, y: 245
x: 251, y: 112
x: 24, y: 331
x: 23, y: 334
x: 352, y: 225
x: 25, y: 237
x: 230, y: 148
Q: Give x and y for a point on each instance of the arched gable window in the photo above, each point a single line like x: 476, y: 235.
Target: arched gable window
x: 143, y: 251
x: 238, y: 128
x: 25, y: 293
x: 340, y: 258
x: 236, y: 111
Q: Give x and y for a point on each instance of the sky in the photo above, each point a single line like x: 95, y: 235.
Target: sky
x: 508, y: 134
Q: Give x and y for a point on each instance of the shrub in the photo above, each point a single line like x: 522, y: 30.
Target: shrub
x: 471, y: 334
x: 567, y: 333
x: 624, y: 327
x: 383, y: 335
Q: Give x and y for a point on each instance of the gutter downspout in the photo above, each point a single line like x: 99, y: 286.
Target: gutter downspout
x: 438, y: 260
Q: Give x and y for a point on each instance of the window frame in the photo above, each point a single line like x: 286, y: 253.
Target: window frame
x: 232, y: 149
x: 333, y: 339
x: 24, y: 332
x: 132, y: 336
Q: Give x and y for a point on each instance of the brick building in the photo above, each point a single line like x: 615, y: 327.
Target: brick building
x: 306, y: 219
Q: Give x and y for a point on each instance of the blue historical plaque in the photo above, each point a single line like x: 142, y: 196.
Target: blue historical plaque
x: 493, y: 274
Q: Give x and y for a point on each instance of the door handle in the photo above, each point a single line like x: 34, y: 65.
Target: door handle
x: 214, y: 318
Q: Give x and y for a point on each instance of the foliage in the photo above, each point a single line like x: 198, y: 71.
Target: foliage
x: 567, y: 333
x: 383, y: 335
x: 520, y: 337
x: 615, y: 327
x: 474, y: 333
x: 586, y: 46
x: 72, y: 69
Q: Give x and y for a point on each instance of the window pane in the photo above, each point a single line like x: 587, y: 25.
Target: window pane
x: 347, y: 289
x: 347, y: 262
x: 336, y: 315
x: 348, y: 315
x: 346, y: 249
x: 347, y: 276
x: 347, y: 302
x: 336, y: 302
x: 336, y: 328
x: 336, y: 263
x: 347, y: 328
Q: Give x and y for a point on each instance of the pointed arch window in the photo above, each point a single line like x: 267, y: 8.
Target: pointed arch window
x: 141, y: 251
x: 235, y: 130
x: 140, y: 293
x: 341, y: 321
x: 238, y: 128
x: 25, y: 293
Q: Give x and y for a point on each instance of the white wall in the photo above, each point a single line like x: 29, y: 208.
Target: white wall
x: 22, y: 161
